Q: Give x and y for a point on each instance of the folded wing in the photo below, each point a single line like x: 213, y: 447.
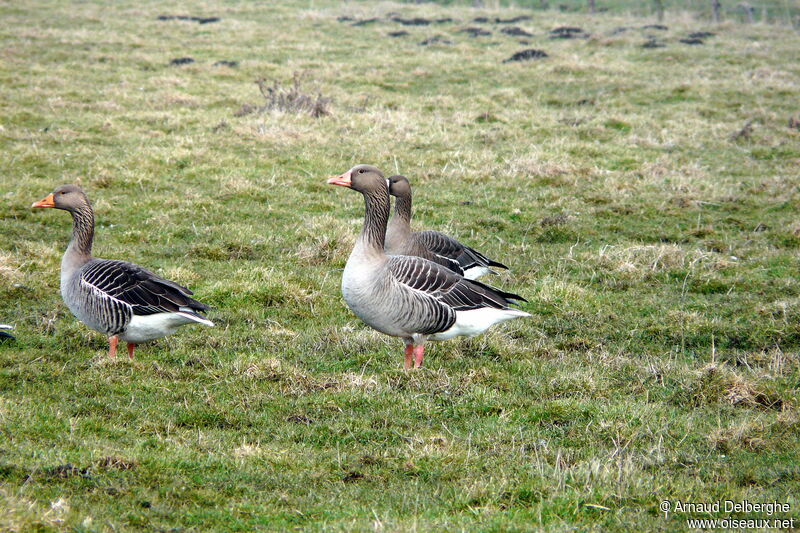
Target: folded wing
x: 442, y: 245
x: 134, y: 286
x: 445, y: 286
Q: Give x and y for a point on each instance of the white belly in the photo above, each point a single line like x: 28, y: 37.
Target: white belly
x: 148, y: 327
x: 476, y: 321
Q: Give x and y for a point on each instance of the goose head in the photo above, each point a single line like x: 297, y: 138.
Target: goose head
x: 67, y: 197
x: 399, y: 186
x: 362, y: 178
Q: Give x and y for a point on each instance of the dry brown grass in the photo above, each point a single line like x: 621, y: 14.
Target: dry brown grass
x: 21, y: 515
x: 747, y: 435
x: 718, y: 383
x: 326, y: 239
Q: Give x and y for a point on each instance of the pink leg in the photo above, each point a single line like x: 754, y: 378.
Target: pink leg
x: 409, y: 360
x: 418, y: 351
x: 112, y: 347
x: 131, y: 347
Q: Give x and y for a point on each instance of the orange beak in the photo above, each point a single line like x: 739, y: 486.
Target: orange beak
x: 343, y: 180
x: 47, y: 201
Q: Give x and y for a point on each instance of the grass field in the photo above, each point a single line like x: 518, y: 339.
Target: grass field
x: 646, y: 200
x: 775, y: 11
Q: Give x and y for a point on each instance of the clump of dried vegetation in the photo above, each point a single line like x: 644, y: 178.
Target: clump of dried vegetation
x: 291, y: 98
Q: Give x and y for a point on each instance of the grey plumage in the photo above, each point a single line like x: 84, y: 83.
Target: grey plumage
x: 431, y: 245
x: 406, y: 296
x: 106, y: 294
x: 117, y: 298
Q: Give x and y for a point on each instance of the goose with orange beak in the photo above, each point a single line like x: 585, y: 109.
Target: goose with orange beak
x: 119, y: 299
x: 411, y: 297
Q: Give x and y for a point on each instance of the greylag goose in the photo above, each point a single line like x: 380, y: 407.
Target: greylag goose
x: 119, y: 299
x: 411, y: 297
x: 431, y: 245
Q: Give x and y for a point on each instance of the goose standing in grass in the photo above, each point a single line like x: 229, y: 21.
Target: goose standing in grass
x: 119, y: 299
x: 431, y: 245
x: 411, y: 297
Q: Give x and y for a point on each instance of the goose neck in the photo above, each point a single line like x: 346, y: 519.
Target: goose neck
x: 80, y: 245
x: 373, y: 233
x: 402, y: 208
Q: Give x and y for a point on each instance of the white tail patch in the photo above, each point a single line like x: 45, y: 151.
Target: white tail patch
x: 477, y: 271
x: 143, y: 328
x: 197, y: 318
x: 476, y: 321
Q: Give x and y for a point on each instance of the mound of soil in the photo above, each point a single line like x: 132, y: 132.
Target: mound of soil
x: 526, y: 55
x: 416, y: 21
x: 345, y: 18
x: 66, y: 470
x: 401, y: 33
x: 568, y: 32
x: 365, y: 22
x: 655, y: 27
x: 300, y: 419
x: 652, y: 43
x: 436, y: 39
x: 701, y: 35
x: 181, y: 61
x: 516, y: 31
x: 513, y: 20
x: 692, y: 41
x: 199, y: 20
x: 475, y: 32
x: 224, y: 63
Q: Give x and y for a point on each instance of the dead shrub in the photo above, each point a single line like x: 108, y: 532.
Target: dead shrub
x: 289, y: 99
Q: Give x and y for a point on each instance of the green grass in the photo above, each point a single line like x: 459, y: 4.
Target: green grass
x: 657, y: 247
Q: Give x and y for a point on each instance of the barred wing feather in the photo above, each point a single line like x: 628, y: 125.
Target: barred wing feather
x: 442, y: 245
x: 443, y: 285
x: 138, y: 288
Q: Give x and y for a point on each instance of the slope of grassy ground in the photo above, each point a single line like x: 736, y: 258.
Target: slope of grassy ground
x: 645, y: 199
